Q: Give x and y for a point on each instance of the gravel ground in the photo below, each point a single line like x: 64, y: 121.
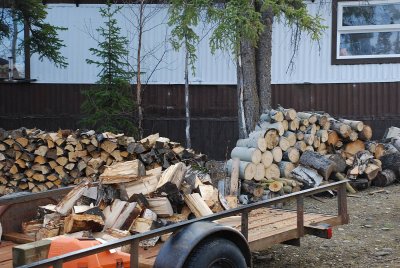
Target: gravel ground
x: 371, y: 239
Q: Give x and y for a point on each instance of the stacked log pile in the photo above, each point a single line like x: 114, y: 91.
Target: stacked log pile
x: 129, y: 200
x: 290, y: 150
x: 34, y: 160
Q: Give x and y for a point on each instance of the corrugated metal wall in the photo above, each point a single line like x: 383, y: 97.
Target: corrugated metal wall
x: 312, y: 63
x: 160, y: 63
x: 213, y: 108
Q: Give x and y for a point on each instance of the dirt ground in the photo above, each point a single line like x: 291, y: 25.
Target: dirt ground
x: 371, y: 239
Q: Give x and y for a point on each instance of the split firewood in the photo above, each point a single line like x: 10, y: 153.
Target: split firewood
x: 197, y: 205
x: 354, y: 147
x: 174, y: 174
x: 66, y: 204
x: 85, y: 222
x: 123, y: 172
x: 161, y: 206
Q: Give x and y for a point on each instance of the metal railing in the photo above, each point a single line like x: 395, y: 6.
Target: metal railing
x: 134, y: 240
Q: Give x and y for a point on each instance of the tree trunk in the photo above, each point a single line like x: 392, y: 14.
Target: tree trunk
x: 248, y: 94
x: 263, y: 61
x: 187, y: 107
x: 138, y: 72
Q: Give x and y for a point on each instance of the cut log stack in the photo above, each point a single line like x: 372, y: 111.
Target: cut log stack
x: 307, y: 149
x: 34, y: 160
x: 130, y: 200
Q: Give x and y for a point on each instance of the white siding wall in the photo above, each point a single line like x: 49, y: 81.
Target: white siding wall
x: 83, y: 20
x: 312, y: 63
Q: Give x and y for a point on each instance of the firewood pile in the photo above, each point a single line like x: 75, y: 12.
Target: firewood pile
x: 289, y: 151
x: 128, y: 200
x: 34, y: 160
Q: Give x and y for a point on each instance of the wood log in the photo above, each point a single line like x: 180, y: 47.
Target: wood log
x: 340, y: 162
x: 308, y: 176
x: 391, y: 161
x: 150, y: 140
x: 354, y: 147
x: 291, y: 155
x: 112, y: 212
x: 267, y: 126
x: 123, y: 172
x: 372, y: 171
x: 256, y: 140
x: 370, y: 146
x: 285, y: 125
x: 276, y: 115
x: 108, y: 146
x: 197, y: 205
x: 271, y: 138
x: 260, y: 172
x: 144, y: 185
x: 301, y: 146
x: 234, y: 183
x: 272, y: 172
x: 312, y: 118
x: 247, y: 170
x: 284, y: 143
x: 355, y: 125
x: 379, y: 150
x: 384, y: 178
x: 342, y: 129
x: 247, y: 154
x: 314, y: 160
x: 277, y: 154
x: 275, y: 186
x: 333, y: 137
x: 75, y: 223
x: 323, y: 135
x: 286, y: 169
x: 309, y: 138
x: 288, y: 114
x: 252, y: 188
x: 322, y: 120
x: 161, y: 206
x: 317, y: 143
x: 174, y: 174
x: 353, y: 136
x: 267, y: 158
x: 360, y: 183
x: 67, y: 202
x: 294, y: 124
x: 300, y: 135
x: 291, y: 137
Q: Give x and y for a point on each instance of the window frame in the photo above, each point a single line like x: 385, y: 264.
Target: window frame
x: 337, y: 11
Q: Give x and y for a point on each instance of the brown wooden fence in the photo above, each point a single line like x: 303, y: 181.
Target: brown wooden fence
x: 213, y: 108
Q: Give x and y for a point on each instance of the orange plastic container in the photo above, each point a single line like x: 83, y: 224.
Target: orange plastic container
x: 104, y: 259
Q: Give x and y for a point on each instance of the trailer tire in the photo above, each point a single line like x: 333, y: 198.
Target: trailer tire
x: 216, y: 252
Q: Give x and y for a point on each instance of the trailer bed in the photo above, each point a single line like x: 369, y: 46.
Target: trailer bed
x: 267, y: 227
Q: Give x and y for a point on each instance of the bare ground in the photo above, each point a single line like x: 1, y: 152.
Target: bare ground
x: 371, y: 239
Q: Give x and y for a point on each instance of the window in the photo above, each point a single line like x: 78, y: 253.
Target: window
x: 366, y: 32
x: 11, y: 46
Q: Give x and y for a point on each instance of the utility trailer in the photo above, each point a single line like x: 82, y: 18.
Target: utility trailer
x: 224, y: 239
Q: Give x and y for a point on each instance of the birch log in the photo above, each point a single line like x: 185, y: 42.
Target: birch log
x: 247, y: 154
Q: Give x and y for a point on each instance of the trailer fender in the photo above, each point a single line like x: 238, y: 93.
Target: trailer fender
x: 178, y: 247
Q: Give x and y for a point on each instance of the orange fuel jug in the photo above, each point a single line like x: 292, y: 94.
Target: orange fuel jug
x: 104, y: 259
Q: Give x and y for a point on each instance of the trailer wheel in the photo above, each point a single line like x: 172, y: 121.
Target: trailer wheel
x: 216, y: 253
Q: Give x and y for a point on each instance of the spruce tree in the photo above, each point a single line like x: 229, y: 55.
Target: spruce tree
x: 109, y: 105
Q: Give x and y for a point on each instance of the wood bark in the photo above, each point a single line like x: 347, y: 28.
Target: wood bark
x: 384, y: 178
x: 314, y: 160
x: 252, y: 188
